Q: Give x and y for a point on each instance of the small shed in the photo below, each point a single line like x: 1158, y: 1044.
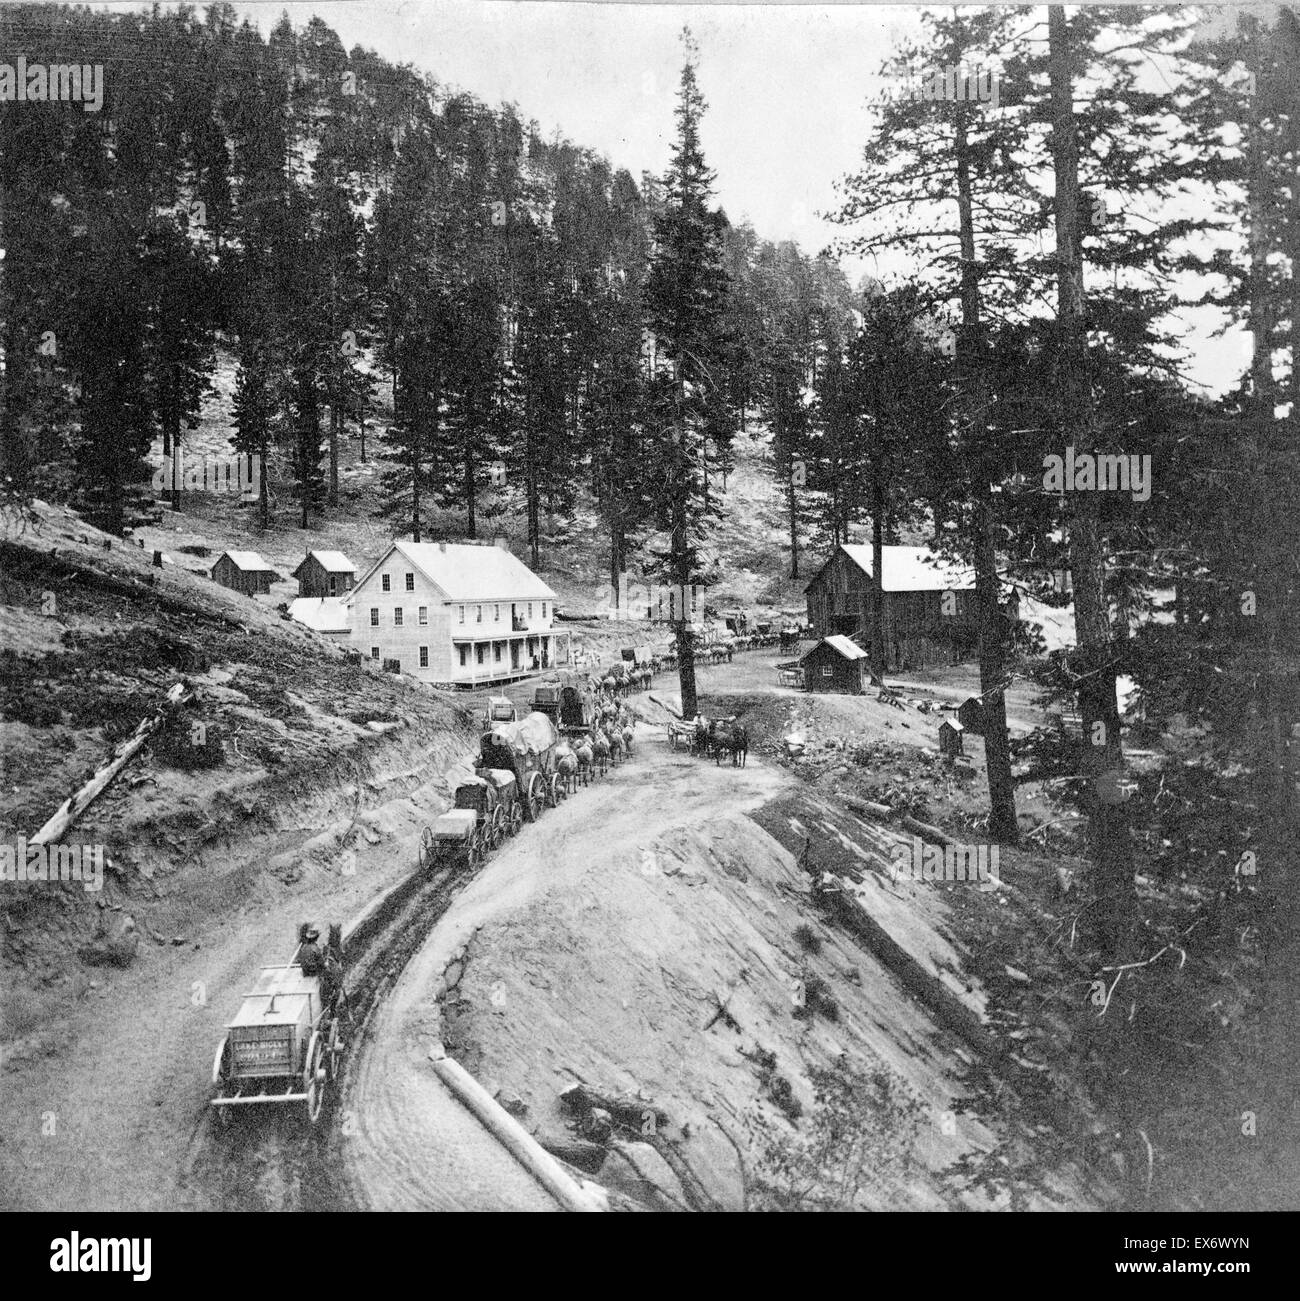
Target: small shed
x: 325, y: 573
x: 329, y: 616
x: 951, y: 732
x: 971, y: 715
x: 835, y: 665
x: 244, y: 571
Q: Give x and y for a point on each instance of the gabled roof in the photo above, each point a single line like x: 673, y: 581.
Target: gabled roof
x: 849, y: 649
x: 323, y: 613
x: 332, y: 562
x: 908, y: 569
x: 248, y: 561
x: 468, y: 573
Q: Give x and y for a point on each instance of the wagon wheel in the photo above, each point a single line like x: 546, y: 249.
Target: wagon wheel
x: 221, y: 1063
x: 498, y: 826
x: 474, y: 849
x: 333, y: 1051
x: 426, y: 849
x: 553, y: 796
x: 516, y: 817
x: 536, y: 797
x: 313, y: 1078
x: 220, y: 1070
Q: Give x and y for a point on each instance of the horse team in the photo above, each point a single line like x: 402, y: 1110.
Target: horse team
x: 606, y: 744
x: 713, y: 736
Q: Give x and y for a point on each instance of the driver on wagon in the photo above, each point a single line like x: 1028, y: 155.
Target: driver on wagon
x: 310, y: 957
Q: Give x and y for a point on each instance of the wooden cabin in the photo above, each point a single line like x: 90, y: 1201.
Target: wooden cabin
x: 837, y: 666
x: 325, y: 573
x: 929, y: 608
x: 950, y: 736
x: 244, y: 571
x: 971, y: 715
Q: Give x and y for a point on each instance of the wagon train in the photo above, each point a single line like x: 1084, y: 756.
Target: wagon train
x: 284, y: 1045
x: 487, y: 809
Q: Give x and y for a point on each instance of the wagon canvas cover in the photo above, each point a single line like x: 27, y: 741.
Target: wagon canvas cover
x: 455, y: 824
x: 534, y: 734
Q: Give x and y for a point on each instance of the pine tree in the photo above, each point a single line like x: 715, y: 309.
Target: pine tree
x: 685, y: 298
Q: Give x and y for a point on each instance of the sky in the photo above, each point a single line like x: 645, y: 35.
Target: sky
x: 787, y: 88
x: 786, y: 85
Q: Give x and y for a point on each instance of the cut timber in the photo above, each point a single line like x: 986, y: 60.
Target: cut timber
x: 870, y: 808
x: 920, y: 828
x: 73, y: 807
x: 514, y: 1137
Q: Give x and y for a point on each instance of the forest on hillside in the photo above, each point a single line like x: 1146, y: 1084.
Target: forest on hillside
x: 536, y: 322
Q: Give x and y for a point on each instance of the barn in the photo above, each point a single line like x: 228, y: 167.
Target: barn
x: 929, y: 604
x: 836, y: 665
x: 325, y: 573
x: 244, y: 571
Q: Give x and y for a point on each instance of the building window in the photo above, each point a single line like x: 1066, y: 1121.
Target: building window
x: 496, y: 651
x: 410, y: 582
x: 397, y: 616
x: 462, y: 614
x: 386, y: 583
x: 496, y: 614
x: 480, y: 654
x: 530, y: 609
x: 827, y: 671
x: 543, y: 609
x: 424, y: 616
x: 478, y: 614
x: 464, y: 655
x: 374, y: 616
x: 374, y: 652
x: 424, y: 657
x: 334, y: 586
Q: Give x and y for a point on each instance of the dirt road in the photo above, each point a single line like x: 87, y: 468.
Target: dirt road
x: 408, y: 1144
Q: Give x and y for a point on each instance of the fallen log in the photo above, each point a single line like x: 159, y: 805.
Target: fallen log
x: 870, y: 808
x: 79, y: 801
x: 514, y: 1137
x: 946, y: 1009
x: 925, y: 830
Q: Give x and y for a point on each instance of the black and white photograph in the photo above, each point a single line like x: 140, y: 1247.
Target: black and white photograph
x: 635, y: 607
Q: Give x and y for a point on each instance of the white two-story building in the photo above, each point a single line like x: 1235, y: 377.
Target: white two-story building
x: 452, y: 612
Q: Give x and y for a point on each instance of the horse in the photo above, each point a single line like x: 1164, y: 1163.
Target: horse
x: 734, y: 739
x: 616, y: 748
x: 568, y: 770
x: 332, y: 990
x: 586, y: 757
x: 627, y: 740
x: 600, y: 748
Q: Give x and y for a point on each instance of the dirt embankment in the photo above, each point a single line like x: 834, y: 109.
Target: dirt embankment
x: 293, y: 786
